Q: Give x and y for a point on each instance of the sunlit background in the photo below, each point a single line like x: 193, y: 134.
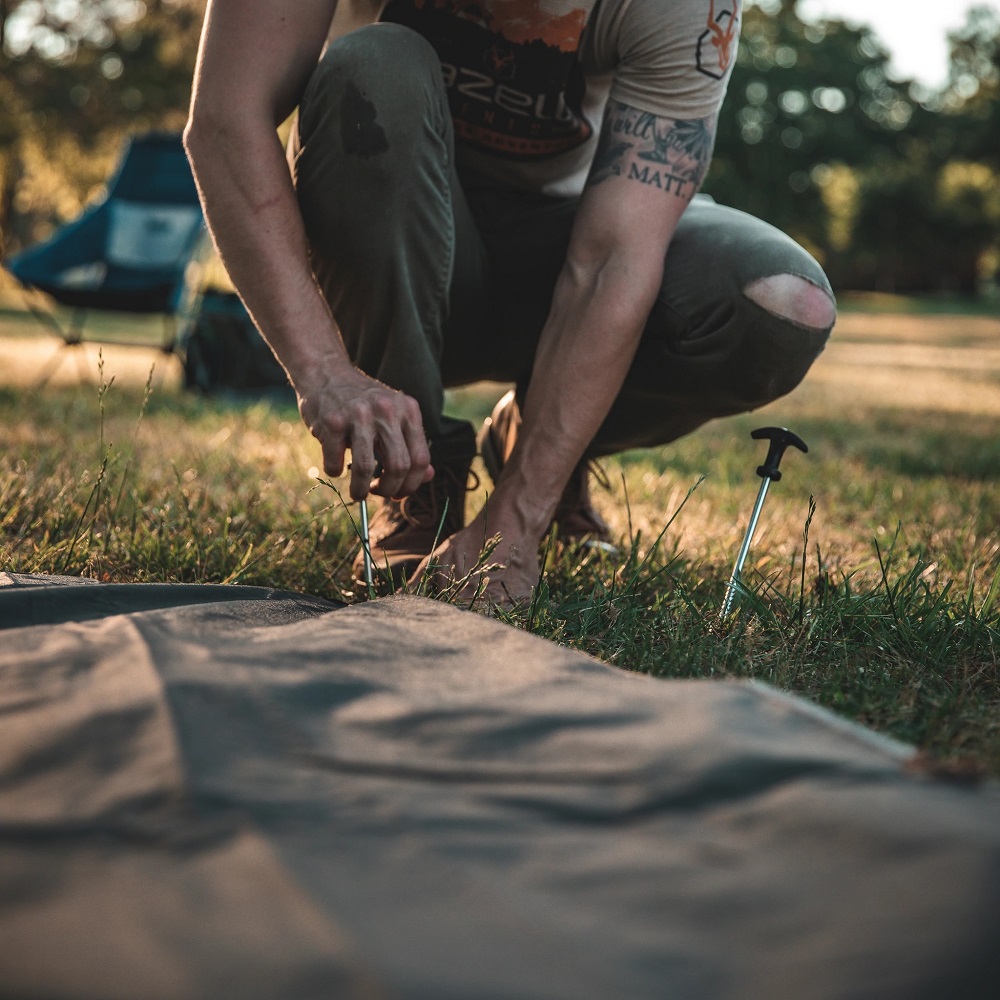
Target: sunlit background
x: 868, y: 131
x: 914, y: 32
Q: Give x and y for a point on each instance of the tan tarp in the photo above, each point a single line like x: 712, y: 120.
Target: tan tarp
x: 234, y: 792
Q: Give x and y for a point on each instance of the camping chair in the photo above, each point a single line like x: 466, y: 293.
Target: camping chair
x: 128, y: 253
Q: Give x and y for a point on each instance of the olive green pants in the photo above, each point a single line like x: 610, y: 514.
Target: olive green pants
x: 438, y: 278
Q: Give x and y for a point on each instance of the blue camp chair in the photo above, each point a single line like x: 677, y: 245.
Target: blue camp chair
x: 129, y: 252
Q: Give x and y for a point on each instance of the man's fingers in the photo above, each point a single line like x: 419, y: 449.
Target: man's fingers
x: 363, y: 463
x: 384, y: 430
x: 420, y: 470
x: 402, y: 448
x: 394, y: 463
x: 334, y: 453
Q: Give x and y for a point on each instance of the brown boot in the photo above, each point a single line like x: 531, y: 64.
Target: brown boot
x: 402, y: 532
x: 575, y: 517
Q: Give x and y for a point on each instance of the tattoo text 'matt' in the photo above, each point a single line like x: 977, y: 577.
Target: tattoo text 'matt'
x: 676, y: 151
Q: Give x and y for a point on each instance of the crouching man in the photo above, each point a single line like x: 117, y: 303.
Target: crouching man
x: 502, y: 190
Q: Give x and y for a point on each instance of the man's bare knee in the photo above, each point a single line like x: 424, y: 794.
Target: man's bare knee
x: 795, y: 299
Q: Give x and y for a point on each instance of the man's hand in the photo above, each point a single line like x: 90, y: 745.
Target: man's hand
x: 382, y: 427
x: 502, y: 569
x: 254, y: 217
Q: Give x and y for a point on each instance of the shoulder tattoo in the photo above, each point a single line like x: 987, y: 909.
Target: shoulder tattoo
x: 668, y: 153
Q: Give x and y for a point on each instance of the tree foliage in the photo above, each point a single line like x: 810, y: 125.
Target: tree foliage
x: 75, y: 77
x: 891, y: 185
x: 888, y: 183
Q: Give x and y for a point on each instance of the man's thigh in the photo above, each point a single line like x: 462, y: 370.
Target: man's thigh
x: 392, y: 240
x: 526, y: 236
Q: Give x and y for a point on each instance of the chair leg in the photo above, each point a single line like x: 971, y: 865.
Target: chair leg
x: 74, y: 335
x: 51, y: 367
x: 169, y: 345
x: 72, y: 338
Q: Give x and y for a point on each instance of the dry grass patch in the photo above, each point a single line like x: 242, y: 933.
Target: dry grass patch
x: 888, y: 612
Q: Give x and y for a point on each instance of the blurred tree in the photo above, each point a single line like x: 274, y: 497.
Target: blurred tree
x: 893, y: 243
x: 75, y: 77
x: 918, y: 227
x: 973, y: 91
x: 968, y: 222
x: 804, y: 97
x: 818, y: 139
x: 889, y: 184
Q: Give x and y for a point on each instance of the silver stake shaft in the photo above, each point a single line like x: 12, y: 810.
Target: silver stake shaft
x: 734, y: 580
x: 780, y: 438
x: 366, y: 545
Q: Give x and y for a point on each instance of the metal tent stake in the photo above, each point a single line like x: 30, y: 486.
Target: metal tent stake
x: 366, y: 544
x: 780, y: 438
x: 366, y: 547
x: 732, y: 589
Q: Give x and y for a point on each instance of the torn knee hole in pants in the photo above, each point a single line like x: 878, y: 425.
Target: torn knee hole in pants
x: 794, y: 298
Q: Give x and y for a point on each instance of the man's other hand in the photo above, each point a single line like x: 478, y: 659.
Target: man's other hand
x: 382, y: 427
x: 501, y: 570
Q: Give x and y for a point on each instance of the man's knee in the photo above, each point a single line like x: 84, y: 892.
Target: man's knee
x: 787, y: 342
x: 382, y: 78
x: 795, y: 299
x: 379, y: 55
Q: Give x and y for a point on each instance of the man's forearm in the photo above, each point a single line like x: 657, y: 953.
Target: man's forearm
x: 597, y: 318
x: 584, y: 354
x: 254, y: 219
x: 603, y: 298
x: 253, y: 214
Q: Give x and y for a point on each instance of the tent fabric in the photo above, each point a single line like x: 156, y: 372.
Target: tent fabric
x: 237, y: 792
x: 129, y: 251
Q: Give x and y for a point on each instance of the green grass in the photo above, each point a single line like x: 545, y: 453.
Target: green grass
x: 883, y: 603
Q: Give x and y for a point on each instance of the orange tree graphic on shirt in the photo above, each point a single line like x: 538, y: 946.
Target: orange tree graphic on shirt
x: 515, y: 87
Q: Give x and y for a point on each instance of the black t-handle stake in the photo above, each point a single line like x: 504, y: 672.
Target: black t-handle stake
x: 366, y: 546
x: 780, y: 438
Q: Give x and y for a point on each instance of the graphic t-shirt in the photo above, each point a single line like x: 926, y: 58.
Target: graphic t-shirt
x: 527, y: 80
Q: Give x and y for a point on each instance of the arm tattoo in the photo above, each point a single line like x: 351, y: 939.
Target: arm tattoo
x: 668, y: 153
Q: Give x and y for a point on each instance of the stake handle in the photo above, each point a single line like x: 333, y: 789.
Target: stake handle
x: 780, y: 438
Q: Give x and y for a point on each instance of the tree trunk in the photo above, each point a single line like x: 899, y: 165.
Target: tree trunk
x: 9, y: 179
x: 6, y: 9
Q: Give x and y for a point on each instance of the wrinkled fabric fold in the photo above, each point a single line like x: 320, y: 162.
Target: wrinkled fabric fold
x: 268, y: 796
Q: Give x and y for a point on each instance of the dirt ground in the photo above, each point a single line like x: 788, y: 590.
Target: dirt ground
x: 942, y: 363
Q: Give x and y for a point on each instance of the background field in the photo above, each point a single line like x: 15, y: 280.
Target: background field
x: 892, y: 618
